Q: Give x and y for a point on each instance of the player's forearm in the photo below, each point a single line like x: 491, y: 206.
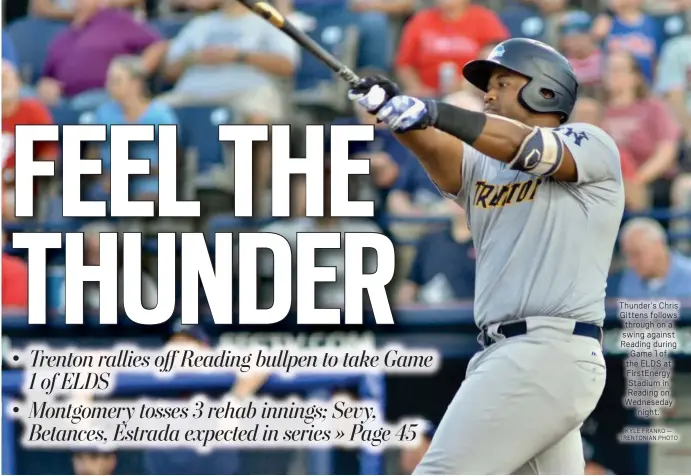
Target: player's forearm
x: 494, y: 136
x: 440, y: 154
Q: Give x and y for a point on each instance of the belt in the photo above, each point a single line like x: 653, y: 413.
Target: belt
x: 514, y: 329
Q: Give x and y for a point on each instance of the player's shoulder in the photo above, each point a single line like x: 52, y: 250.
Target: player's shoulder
x: 584, y: 134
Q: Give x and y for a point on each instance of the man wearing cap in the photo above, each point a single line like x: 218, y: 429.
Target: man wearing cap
x: 580, y: 49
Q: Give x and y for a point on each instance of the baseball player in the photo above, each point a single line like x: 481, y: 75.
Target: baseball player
x: 544, y: 200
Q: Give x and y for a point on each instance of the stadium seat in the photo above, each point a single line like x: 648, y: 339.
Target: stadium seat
x: 199, y: 138
x: 32, y: 37
x: 168, y: 27
x: 64, y: 115
x: 334, y: 28
x: 524, y: 22
x: 672, y: 25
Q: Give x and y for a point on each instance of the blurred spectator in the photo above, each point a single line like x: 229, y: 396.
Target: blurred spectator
x: 529, y: 18
x: 443, y: 270
x: 19, y: 111
x: 580, y: 49
x: 15, y: 282
x: 667, y: 6
x: 414, y: 194
x: 653, y: 270
x: 65, y: 9
x: 331, y: 294
x: 9, y: 51
x: 592, y: 466
x: 231, y: 57
x: 465, y: 85
x: 131, y: 104
x: 466, y: 100
x: 437, y: 43
x: 590, y: 111
x: 220, y: 461
x: 87, y: 463
x: 166, y: 7
x: 92, y: 257
x: 78, y: 58
x: 234, y: 57
x: 389, y: 7
x: 411, y: 457
x: 642, y: 125
x: 628, y: 28
x: 674, y: 79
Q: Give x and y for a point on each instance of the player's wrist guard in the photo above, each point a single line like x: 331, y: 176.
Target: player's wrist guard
x: 541, y: 153
x: 461, y: 123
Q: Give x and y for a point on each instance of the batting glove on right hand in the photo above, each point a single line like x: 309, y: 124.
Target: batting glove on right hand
x: 373, y: 92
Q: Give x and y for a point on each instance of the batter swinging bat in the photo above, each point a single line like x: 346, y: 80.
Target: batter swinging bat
x: 270, y: 14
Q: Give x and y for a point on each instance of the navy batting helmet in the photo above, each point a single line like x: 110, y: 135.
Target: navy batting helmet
x: 552, y: 85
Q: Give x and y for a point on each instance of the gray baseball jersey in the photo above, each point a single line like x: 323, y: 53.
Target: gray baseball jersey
x: 544, y: 247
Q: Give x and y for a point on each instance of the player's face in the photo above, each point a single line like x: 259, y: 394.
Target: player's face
x: 502, y: 95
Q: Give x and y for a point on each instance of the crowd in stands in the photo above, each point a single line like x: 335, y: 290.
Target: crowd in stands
x: 201, y: 63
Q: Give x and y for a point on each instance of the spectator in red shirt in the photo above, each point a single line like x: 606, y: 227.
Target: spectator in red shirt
x: 15, y: 282
x: 437, y: 43
x: 589, y: 110
x: 17, y: 110
x: 643, y: 125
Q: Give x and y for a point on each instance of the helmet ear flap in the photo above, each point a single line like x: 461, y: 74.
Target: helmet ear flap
x: 539, y: 99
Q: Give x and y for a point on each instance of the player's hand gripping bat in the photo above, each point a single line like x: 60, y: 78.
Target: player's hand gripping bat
x: 270, y: 14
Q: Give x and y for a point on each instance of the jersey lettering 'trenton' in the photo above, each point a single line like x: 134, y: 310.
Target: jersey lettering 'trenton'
x: 500, y: 195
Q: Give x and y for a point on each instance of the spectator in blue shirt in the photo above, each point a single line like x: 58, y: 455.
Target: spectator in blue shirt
x: 653, y: 270
x: 444, y: 266
x: 628, y: 28
x: 130, y: 104
x: 9, y: 50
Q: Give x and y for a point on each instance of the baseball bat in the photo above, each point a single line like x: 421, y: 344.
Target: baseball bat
x: 270, y: 14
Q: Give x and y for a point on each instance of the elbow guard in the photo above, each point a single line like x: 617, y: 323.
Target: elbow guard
x: 540, y: 154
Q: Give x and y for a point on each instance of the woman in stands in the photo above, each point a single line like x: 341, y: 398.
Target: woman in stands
x: 641, y: 124
x: 131, y: 104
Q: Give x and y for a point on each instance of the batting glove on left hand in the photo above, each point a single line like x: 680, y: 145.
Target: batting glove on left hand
x: 373, y: 92
x: 405, y: 113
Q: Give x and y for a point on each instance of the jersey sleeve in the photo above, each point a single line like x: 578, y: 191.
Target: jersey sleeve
x: 594, y: 151
x: 470, y: 165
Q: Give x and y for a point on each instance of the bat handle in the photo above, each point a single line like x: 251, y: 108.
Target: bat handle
x: 348, y: 76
